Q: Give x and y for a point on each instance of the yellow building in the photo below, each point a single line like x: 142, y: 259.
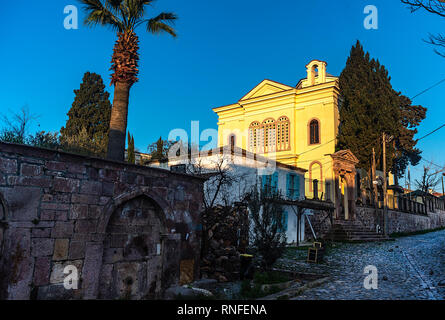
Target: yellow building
x: 296, y: 126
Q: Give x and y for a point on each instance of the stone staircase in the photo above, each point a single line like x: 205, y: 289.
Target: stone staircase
x: 353, y: 231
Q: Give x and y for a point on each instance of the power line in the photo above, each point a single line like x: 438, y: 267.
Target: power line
x: 432, y: 132
x: 430, y: 162
x: 426, y: 90
x: 319, y: 146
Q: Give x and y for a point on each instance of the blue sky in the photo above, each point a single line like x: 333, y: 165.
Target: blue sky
x: 223, y: 50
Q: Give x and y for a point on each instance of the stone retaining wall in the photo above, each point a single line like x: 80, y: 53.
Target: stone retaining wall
x: 55, y: 210
x: 401, y: 221
x: 398, y: 221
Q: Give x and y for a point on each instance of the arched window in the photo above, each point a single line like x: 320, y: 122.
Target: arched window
x: 283, y: 134
x: 254, y: 133
x: 314, y: 132
x: 270, y: 137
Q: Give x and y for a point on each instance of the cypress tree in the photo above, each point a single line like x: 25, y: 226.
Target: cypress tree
x: 131, y: 157
x: 90, y: 113
x: 372, y: 107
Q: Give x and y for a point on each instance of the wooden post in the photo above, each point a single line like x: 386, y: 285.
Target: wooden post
x: 374, y: 186
x: 315, y: 187
x: 385, y: 196
x: 443, y: 192
x: 298, y: 226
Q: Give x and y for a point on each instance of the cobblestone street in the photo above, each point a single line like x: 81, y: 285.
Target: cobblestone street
x: 408, y: 268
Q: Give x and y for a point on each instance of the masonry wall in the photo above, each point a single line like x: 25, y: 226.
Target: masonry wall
x: 401, y: 221
x: 398, y: 221
x: 55, y: 210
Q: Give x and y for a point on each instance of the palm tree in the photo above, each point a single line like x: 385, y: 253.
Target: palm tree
x: 124, y: 16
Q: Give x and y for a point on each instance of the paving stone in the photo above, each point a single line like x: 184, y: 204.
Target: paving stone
x: 61, y: 249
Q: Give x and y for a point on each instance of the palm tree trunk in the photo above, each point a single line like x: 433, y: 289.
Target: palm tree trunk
x: 118, y: 122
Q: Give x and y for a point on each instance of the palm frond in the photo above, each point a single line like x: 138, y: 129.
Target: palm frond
x: 162, y: 23
x: 136, y: 10
x: 98, y: 13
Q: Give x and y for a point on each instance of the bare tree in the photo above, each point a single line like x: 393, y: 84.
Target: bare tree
x: 432, y: 6
x: 222, y: 179
x: 429, y: 179
x: 17, y: 126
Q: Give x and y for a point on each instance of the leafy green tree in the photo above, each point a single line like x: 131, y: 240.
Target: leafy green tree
x: 159, y: 149
x: 83, y: 145
x: 131, y: 157
x: 370, y: 108
x: 124, y: 16
x: 90, y: 111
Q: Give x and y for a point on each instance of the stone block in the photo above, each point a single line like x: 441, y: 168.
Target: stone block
x: 92, y: 173
x: 8, y: 165
x: 106, y: 279
x: 91, y: 270
x: 61, y: 249
x: 30, y: 170
x: 77, y: 250
x: 57, y: 292
x: 53, y: 215
x: 85, y: 226
x: 20, y: 287
x: 84, y: 199
x: 94, y: 212
x: 42, y: 247
x: 128, y: 177
x: 42, y: 271
x: 77, y: 168
x: 41, y: 232
x: 63, y: 230
x: 79, y: 211
x: 84, y: 237
x: 54, y: 206
x: 108, y: 174
x: 112, y: 255
x: 186, y: 271
x: 66, y: 185
x: 91, y: 187
x: 31, y: 224
x: 42, y: 181
x: 56, y: 165
x: 108, y: 189
x: 104, y: 200
x: 57, y: 271
x: 23, y: 202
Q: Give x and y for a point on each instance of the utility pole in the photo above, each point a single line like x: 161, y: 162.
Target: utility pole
x: 374, y: 185
x: 385, y: 197
x: 443, y: 192
x: 409, y: 179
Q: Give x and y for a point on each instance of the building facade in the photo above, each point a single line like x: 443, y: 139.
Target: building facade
x: 296, y: 126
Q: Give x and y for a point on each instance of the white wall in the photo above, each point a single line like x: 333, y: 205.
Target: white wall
x: 246, y: 173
